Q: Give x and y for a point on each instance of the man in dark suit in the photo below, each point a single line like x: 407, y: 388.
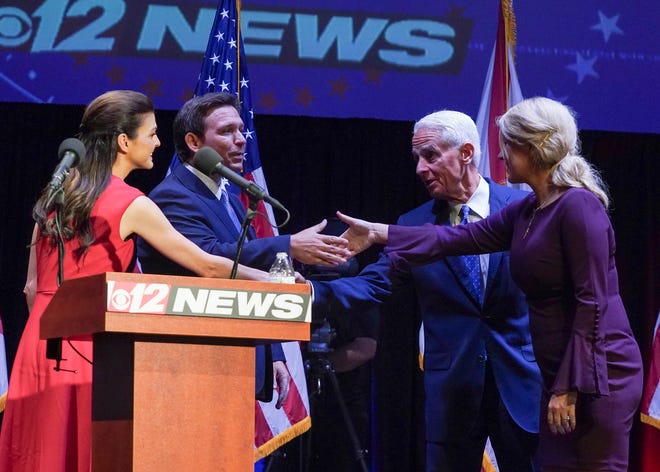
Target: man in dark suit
x: 481, y: 379
x: 200, y: 208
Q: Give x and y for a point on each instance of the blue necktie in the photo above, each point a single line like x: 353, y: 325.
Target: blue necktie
x: 471, y: 262
x: 224, y: 199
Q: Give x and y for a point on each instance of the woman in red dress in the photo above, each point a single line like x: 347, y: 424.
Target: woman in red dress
x: 47, y: 420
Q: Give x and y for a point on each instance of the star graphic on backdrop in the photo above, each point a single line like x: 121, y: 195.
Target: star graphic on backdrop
x: 268, y: 101
x: 607, y: 26
x: 583, y: 67
x: 187, y: 94
x: 372, y: 76
x: 455, y: 12
x: 549, y: 94
x: 304, y: 96
x: 339, y: 87
x: 152, y: 87
x: 115, y: 74
x: 80, y: 59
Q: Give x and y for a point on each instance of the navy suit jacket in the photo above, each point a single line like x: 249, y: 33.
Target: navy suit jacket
x: 198, y: 214
x: 459, y: 332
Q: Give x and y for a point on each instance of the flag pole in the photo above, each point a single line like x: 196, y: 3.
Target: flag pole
x: 238, y: 47
x: 509, y: 22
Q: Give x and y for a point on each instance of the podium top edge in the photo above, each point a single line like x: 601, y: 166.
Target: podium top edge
x: 194, y: 281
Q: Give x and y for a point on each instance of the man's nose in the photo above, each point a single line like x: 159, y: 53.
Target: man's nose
x: 421, y: 167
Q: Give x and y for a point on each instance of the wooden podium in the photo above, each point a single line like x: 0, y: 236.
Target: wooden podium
x: 173, y: 377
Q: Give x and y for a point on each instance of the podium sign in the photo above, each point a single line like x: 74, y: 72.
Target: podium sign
x: 173, y: 376
x: 242, y: 301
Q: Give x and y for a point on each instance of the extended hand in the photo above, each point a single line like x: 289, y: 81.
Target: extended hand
x: 311, y: 247
x: 561, y: 412
x: 282, y: 378
x: 362, y: 234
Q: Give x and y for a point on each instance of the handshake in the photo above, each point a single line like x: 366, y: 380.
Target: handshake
x: 310, y: 246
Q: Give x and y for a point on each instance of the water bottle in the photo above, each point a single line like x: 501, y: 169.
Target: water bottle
x: 282, y: 269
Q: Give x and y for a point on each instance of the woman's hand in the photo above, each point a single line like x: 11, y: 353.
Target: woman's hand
x: 561, y: 412
x: 361, y: 234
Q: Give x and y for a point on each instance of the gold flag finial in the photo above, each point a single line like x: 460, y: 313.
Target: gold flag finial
x: 509, y: 25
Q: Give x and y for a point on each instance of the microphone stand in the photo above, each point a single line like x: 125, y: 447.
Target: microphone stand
x: 250, y: 213
x: 54, y: 345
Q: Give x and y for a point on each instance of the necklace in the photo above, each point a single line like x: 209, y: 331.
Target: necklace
x: 540, y: 206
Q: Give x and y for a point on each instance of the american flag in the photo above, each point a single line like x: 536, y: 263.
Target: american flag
x: 650, y: 411
x: 651, y: 398
x: 224, y: 69
x: 501, y: 91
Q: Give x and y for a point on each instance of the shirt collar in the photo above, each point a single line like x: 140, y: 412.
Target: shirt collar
x: 215, y: 187
x: 478, y: 203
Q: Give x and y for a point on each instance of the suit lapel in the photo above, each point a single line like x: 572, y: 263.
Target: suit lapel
x: 497, y: 200
x: 192, y: 183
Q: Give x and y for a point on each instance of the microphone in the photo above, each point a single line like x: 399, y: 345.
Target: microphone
x: 71, y: 151
x: 207, y: 161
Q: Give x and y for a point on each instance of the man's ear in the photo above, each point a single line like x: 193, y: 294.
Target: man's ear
x: 194, y: 142
x: 467, y: 153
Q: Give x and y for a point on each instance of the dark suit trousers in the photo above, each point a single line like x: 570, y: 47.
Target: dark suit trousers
x: 515, y: 448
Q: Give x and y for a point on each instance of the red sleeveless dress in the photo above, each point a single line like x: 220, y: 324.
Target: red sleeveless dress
x: 47, y: 420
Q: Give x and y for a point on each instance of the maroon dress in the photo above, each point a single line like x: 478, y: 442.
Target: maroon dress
x: 47, y: 424
x: 562, y: 257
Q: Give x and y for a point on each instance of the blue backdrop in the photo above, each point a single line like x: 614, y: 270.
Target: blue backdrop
x: 346, y: 58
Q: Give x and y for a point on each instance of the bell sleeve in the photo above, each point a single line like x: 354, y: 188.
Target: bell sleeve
x: 587, y: 246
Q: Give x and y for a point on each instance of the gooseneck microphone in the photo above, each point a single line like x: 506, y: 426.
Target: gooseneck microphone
x: 70, y: 152
x: 207, y: 161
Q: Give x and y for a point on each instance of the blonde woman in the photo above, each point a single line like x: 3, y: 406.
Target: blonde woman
x: 562, y: 256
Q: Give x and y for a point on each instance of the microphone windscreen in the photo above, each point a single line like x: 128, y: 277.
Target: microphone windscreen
x: 72, y: 145
x: 206, y: 160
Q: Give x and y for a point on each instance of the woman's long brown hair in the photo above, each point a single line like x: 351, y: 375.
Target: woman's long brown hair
x: 104, y: 119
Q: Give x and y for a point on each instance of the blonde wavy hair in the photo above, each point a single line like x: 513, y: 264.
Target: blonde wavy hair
x: 549, y: 129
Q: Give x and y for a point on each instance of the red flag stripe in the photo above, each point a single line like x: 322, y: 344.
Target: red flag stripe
x: 499, y: 100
